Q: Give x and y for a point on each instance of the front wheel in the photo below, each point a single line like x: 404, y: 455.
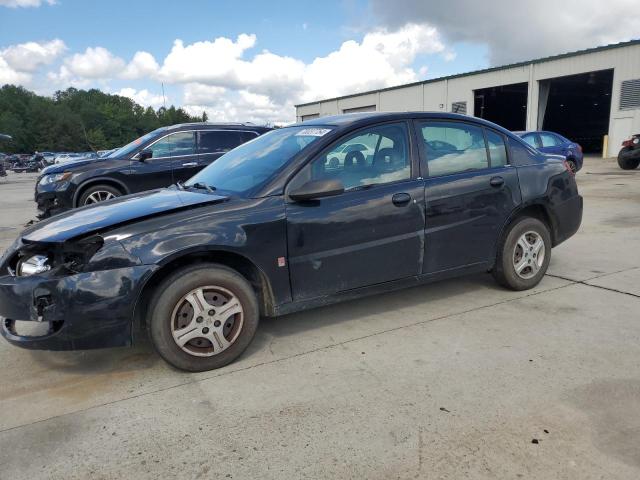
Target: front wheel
x: 202, y: 317
x: 97, y: 194
x: 523, y: 255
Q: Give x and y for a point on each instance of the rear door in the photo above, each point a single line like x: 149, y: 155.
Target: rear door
x: 168, y: 152
x: 470, y: 191
x: 212, y: 144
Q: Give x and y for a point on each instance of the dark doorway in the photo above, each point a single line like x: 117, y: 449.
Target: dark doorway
x: 577, y: 107
x: 505, y: 105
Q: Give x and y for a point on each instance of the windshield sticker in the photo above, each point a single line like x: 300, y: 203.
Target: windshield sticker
x: 313, y: 132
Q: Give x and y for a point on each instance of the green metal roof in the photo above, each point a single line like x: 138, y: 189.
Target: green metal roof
x: 485, y: 70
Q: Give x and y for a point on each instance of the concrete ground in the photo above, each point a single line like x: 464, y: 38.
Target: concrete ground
x: 460, y: 379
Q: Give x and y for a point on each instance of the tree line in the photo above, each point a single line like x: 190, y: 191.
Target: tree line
x: 76, y: 120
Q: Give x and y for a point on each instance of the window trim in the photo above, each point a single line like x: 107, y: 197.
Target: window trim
x: 424, y: 161
x: 504, y: 143
x: 414, y: 162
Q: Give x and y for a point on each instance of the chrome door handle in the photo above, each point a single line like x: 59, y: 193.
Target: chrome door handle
x: 190, y: 164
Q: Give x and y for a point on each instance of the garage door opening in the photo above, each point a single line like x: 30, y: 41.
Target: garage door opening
x: 578, y: 107
x: 505, y: 105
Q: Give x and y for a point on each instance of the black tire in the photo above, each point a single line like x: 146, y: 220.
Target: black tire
x: 96, y: 190
x: 628, y: 163
x: 504, y: 270
x: 168, y: 295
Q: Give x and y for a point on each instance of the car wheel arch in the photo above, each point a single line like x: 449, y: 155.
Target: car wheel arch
x: 532, y: 209
x: 83, y: 187
x: 241, y: 264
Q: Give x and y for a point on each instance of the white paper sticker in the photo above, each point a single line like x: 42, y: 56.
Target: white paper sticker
x: 313, y: 132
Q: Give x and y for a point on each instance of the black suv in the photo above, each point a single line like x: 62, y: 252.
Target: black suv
x: 158, y: 159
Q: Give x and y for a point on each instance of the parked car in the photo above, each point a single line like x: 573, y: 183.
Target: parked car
x: 67, y: 157
x: 629, y: 155
x: 551, y: 142
x: 158, y: 159
x: 269, y: 229
x: 105, y: 153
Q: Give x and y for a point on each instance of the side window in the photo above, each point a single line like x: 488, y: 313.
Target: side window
x: 247, y: 136
x: 497, y: 149
x: 531, y: 140
x: 220, y: 141
x: 180, y: 143
x: 453, y: 147
x: 374, y: 156
x: 549, y: 140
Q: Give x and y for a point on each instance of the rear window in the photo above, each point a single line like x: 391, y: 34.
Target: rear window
x: 221, y: 141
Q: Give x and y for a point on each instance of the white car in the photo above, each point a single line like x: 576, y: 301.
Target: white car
x: 336, y: 157
x: 66, y: 157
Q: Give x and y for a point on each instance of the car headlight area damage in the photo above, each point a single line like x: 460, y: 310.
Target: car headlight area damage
x: 69, y: 295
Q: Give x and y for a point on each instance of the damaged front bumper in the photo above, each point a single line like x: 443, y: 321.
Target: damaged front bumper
x: 82, y: 311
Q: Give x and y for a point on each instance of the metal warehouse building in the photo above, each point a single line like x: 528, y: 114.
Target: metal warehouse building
x: 583, y: 95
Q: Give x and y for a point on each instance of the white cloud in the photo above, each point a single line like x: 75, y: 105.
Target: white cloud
x: 9, y: 75
x: 95, y: 62
x: 382, y: 59
x: 25, y: 3
x: 28, y: 57
x: 142, y: 65
x: 143, y: 97
x: 515, y: 32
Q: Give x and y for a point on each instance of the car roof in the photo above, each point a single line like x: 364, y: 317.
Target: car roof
x: 217, y: 125
x: 364, y: 118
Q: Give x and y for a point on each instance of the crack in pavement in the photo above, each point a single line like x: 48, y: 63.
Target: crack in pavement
x: 584, y: 282
x: 307, y: 352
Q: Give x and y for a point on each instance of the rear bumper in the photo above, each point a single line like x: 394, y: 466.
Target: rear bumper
x: 568, y: 217
x: 77, y: 312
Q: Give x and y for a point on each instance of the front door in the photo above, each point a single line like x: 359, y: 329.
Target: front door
x: 470, y: 193
x: 373, y: 232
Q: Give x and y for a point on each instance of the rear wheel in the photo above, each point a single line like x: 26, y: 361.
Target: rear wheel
x: 202, y: 317
x: 97, y: 194
x: 523, y: 255
x: 628, y: 163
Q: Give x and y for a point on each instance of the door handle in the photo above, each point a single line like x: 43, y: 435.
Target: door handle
x: 400, y: 199
x: 496, y: 181
x: 190, y: 164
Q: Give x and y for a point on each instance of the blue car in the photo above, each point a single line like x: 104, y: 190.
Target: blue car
x: 551, y: 142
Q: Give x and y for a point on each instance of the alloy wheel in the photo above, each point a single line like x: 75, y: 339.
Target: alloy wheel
x: 528, y: 255
x: 99, y: 196
x: 206, y: 321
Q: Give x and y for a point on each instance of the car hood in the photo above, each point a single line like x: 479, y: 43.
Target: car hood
x: 69, y: 165
x: 116, y: 212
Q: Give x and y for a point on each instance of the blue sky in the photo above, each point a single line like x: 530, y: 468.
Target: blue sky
x: 271, y: 55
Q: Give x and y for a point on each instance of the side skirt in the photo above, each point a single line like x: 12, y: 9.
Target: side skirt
x: 297, y: 306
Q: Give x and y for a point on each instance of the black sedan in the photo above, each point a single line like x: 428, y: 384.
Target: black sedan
x: 277, y: 225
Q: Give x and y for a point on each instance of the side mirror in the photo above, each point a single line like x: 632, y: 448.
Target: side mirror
x: 315, y: 189
x: 144, y: 154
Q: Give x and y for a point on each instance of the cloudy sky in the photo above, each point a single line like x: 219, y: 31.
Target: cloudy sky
x: 253, y: 60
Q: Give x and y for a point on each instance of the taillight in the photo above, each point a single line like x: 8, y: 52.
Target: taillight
x: 568, y: 167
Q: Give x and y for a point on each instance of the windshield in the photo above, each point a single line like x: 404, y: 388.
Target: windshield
x: 251, y: 164
x: 130, y: 147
